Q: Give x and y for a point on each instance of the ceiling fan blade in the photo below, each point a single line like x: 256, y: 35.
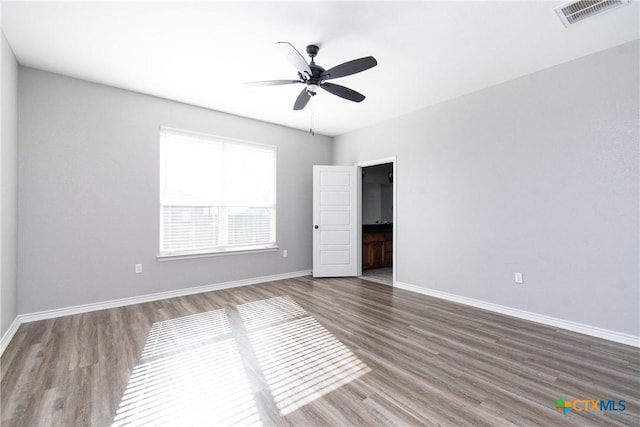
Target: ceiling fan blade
x: 302, y: 100
x: 294, y: 57
x: 343, y: 92
x: 271, y: 83
x: 348, y: 68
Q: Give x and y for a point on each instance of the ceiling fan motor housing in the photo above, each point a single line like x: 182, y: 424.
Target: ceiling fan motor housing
x: 313, y: 81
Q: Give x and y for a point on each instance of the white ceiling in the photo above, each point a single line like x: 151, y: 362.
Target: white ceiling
x: 202, y: 52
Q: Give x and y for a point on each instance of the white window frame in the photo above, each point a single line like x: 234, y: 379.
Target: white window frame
x: 164, y: 254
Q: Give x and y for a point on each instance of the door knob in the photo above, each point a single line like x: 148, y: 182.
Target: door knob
x: 316, y: 227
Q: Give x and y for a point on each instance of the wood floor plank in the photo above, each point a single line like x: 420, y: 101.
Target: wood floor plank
x: 304, y: 351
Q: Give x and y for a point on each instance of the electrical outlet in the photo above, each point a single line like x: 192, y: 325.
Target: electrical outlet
x: 138, y: 268
x: 285, y: 253
x: 518, y: 277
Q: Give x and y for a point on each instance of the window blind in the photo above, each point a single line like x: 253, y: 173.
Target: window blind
x: 216, y: 194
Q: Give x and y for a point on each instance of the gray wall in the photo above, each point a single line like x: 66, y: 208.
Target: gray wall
x: 537, y: 175
x: 377, y: 194
x: 89, y: 194
x: 386, y: 202
x: 8, y: 185
x: 377, y: 203
x: 371, y: 203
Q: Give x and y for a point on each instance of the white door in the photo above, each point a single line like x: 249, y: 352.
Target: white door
x: 335, y: 221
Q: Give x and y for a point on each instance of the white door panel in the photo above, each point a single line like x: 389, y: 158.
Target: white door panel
x: 335, y: 219
x: 335, y: 257
x: 334, y: 178
x: 334, y: 198
x: 335, y: 237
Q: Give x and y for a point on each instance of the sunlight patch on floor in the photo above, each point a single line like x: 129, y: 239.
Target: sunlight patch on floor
x: 198, y: 383
x: 183, y: 332
x: 300, y: 359
x: 191, y: 371
x: 269, y: 311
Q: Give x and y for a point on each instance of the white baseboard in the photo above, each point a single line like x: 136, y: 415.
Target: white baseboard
x: 526, y: 315
x: 6, y: 338
x: 534, y: 317
x: 85, y: 308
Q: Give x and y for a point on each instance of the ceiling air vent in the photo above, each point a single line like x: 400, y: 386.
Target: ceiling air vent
x: 577, y: 11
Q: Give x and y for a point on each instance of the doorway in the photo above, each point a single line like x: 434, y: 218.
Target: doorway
x: 378, y: 221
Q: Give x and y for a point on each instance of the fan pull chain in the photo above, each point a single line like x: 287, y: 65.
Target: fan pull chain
x: 311, y: 123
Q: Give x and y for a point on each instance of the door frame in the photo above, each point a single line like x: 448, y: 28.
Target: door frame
x: 376, y: 162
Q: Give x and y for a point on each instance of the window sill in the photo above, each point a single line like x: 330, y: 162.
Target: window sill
x: 212, y: 253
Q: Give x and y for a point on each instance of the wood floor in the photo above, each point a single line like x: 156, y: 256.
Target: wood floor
x: 311, y: 352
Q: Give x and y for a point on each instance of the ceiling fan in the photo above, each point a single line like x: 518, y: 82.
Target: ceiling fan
x: 314, y: 76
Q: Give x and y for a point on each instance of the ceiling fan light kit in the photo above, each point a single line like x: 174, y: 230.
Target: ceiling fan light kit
x: 314, y: 76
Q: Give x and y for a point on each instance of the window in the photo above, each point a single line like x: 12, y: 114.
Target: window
x: 216, y: 194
